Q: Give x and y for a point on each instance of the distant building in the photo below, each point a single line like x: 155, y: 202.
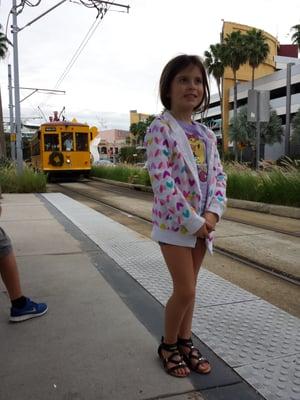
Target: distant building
x: 136, y: 117
x: 110, y: 142
x: 268, y: 76
x: 117, y: 136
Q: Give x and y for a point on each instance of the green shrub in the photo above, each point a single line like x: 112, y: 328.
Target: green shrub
x: 122, y: 173
x: 276, y: 186
x: 27, y: 182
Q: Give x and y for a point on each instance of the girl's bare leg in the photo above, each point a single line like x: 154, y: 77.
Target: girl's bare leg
x: 198, y: 254
x: 180, y: 263
x: 185, y: 330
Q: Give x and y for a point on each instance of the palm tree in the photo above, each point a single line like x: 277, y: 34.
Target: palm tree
x: 3, y: 46
x: 243, y: 133
x: 234, y: 55
x: 3, y: 51
x: 257, y: 49
x: 296, y: 35
x: 296, y: 128
x: 214, y: 64
x: 139, y: 129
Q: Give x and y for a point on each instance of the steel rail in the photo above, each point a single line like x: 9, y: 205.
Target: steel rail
x: 244, y: 260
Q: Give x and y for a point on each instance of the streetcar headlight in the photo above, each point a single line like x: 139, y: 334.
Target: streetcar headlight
x: 68, y: 161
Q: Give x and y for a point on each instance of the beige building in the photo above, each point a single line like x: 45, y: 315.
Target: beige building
x: 136, y: 117
x: 111, y: 141
x: 244, y: 74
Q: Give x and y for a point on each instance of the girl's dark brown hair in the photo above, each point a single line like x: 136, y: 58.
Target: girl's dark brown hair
x: 175, y: 66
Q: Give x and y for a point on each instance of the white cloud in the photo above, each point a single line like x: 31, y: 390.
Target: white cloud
x: 119, y: 68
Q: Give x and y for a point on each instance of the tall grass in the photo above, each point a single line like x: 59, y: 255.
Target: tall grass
x: 27, y: 182
x: 276, y: 186
x: 122, y: 173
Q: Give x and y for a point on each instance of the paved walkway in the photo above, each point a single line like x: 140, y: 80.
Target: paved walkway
x: 99, y: 338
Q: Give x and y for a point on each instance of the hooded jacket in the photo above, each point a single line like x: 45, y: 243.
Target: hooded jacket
x: 175, y: 182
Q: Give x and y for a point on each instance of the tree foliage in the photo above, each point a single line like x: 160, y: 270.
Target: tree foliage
x: 243, y: 132
x: 214, y: 63
x: 139, y: 129
x: 257, y: 49
x: 234, y: 56
x: 296, y: 35
x: 3, y: 44
x: 296, y: 128
x: 3, y: 52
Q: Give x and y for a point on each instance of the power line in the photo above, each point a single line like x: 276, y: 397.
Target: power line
x: 82, y: 45
x: 77, y: 53
x: 86, y: 39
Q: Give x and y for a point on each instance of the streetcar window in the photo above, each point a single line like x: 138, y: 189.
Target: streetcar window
x: 81, y: 141
x: 51, y: 142
x: 67, y: 141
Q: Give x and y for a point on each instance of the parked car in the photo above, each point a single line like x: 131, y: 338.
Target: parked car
x: 106, y: 163
x: 141, y: 165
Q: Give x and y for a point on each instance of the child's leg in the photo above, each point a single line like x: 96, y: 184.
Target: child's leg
x: 197, y: 363
x: 10, y: 275
x: 198, y: 254
x: 180, y: 264
x: 8, y: 267
x: 179, y: 261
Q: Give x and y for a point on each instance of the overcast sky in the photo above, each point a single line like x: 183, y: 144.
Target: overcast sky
x: 119, y: 68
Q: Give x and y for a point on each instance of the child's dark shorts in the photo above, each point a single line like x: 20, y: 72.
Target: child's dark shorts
x: 5, y: 244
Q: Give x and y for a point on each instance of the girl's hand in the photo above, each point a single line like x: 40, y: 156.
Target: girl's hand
x: 202, y: 232
x: 211, y: 220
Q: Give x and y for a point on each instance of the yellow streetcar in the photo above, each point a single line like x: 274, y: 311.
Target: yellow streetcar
x: 62, y: 148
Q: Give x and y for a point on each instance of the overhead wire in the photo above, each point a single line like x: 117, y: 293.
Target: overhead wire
x: 84, y: 42
x: 77, y: 53
x: 101, y: 12
x: 101, y: 8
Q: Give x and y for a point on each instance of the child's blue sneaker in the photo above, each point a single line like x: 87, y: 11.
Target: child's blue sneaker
x: 30, y: 310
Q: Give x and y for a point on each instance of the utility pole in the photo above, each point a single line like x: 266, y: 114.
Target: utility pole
x: 17, y: 90
x: 258, y: 110
x: 15, y: 31
x: 288, y: 109
x: 257, y: 139
x: 11, y: 117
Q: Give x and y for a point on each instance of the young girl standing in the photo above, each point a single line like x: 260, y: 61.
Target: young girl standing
x: 189, y: 198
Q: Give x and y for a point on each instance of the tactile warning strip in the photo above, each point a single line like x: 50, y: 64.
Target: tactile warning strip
x: 260, y: 341
x: 277, y: 378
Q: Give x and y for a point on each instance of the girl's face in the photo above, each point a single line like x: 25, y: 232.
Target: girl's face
x: 186, y: 91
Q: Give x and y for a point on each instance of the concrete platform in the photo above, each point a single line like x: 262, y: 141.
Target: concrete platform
x: 103, y: 286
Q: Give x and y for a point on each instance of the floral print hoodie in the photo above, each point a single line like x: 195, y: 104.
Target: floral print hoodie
x: 175, y: 182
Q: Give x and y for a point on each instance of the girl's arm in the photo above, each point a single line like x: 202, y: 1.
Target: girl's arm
x: 160, y: 152
x: 218, y: 201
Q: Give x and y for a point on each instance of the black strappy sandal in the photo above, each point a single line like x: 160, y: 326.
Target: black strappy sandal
x: 175, y: 358
x: 193, y: 357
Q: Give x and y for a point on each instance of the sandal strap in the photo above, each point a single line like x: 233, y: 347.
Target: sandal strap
x: 173, y: 359
x: 194, y: 353
x: 175, y: 367
x: 171, y: 347
x: 185, y: 342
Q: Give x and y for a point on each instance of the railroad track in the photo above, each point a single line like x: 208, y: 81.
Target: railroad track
x: 116, y: 190
x: 234, y: 256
